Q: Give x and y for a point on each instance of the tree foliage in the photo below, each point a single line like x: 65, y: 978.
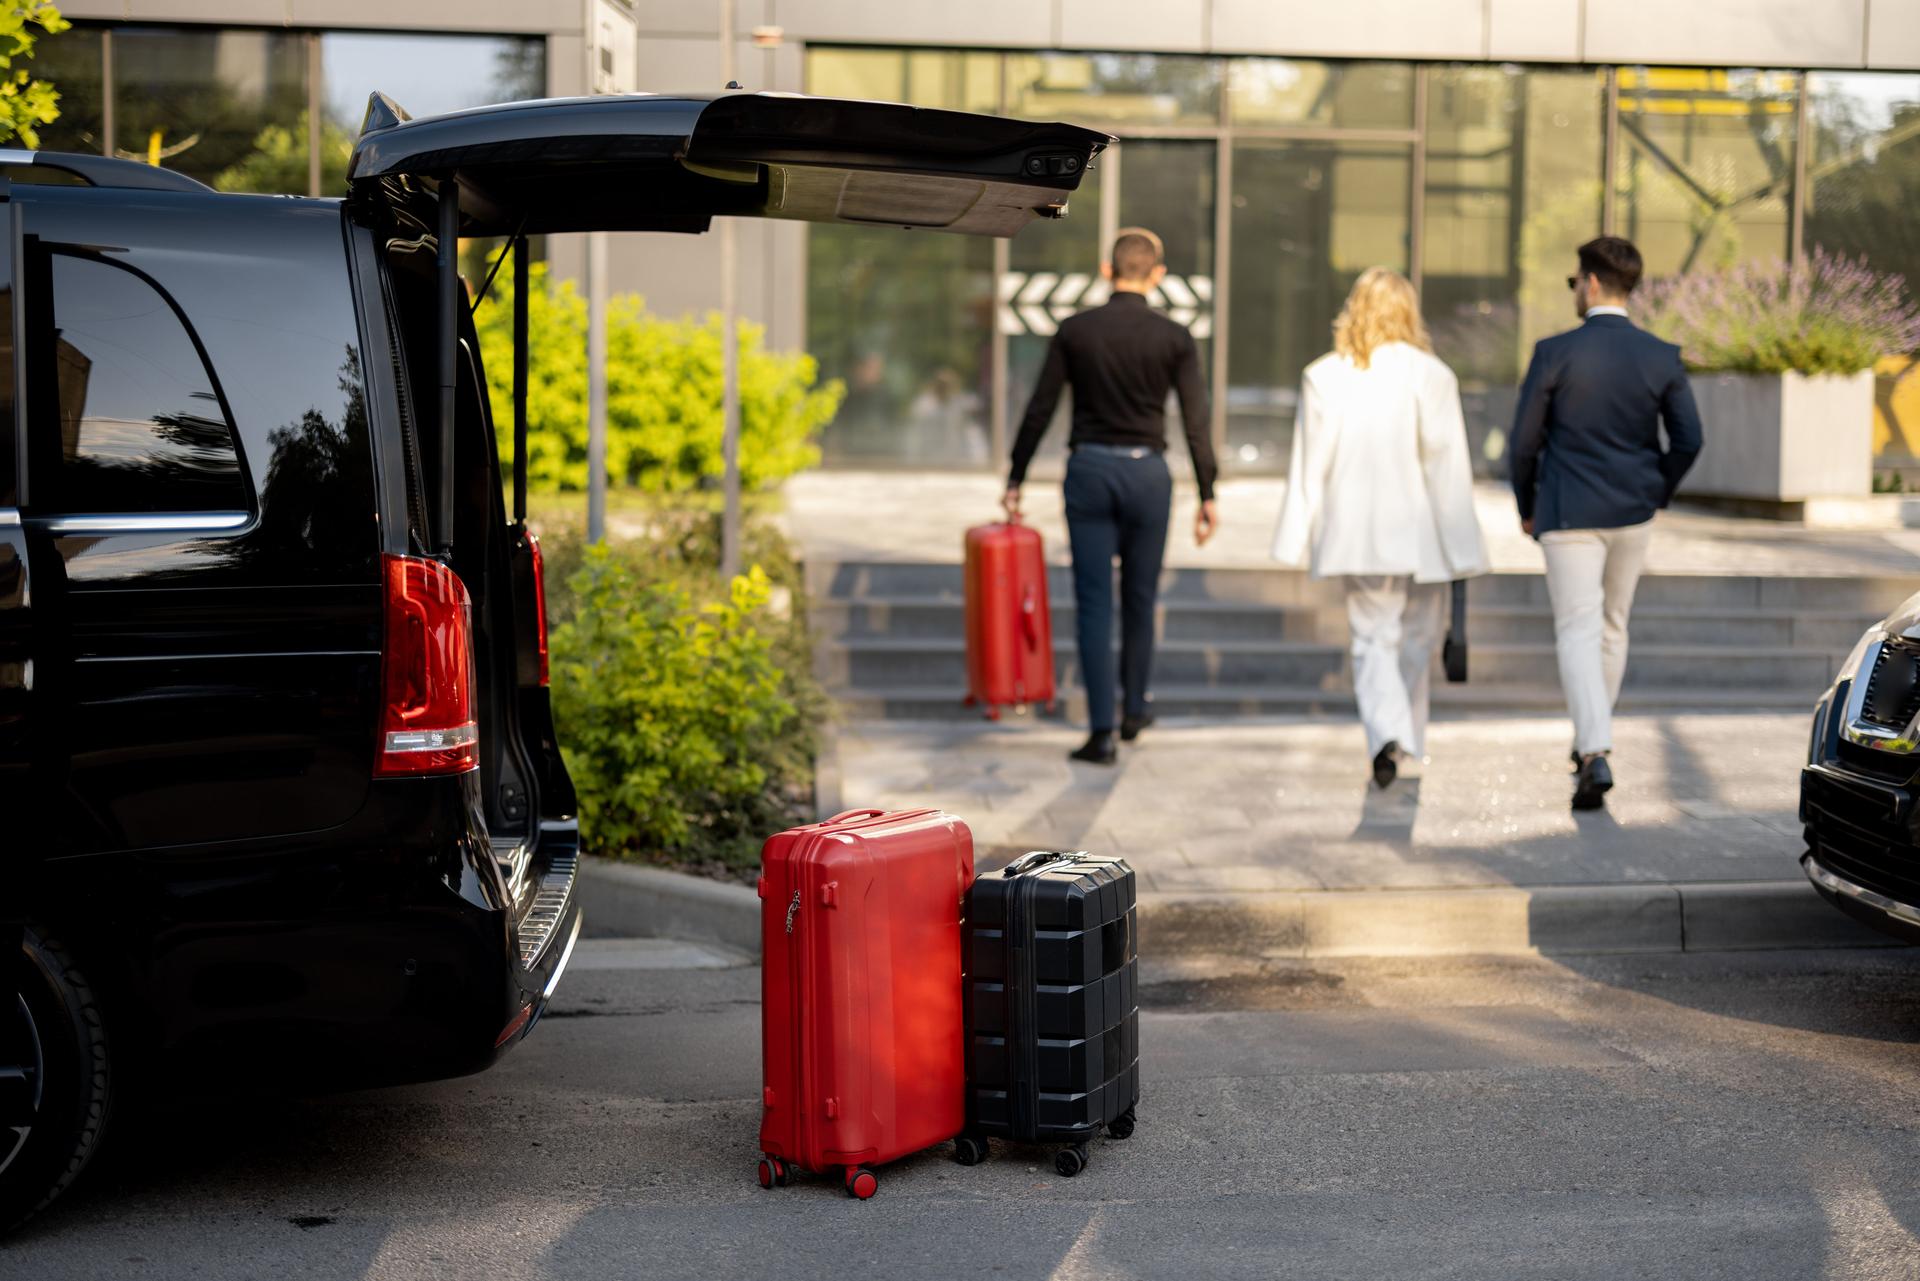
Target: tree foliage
x: 26, y: 103
x: 663, y: 394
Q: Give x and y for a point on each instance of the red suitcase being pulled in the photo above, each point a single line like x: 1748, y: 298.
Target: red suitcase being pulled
x: 862, y: 1034
x: 1009, y: 624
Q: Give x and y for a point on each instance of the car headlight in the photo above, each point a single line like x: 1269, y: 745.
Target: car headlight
x: 1851, y: 668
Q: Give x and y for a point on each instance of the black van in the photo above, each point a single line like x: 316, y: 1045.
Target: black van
x: 281, y: 792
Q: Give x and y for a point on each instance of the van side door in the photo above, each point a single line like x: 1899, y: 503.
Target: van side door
x: 16, y: 595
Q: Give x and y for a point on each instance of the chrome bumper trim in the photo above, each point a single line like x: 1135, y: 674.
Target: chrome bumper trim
x: 566, y: 955
x: 1840, y: 885
x: 549, y: 905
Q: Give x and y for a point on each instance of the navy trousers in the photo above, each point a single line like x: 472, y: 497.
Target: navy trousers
x: 1118, y: 505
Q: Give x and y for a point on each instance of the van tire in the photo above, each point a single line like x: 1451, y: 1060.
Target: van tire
x: 53, y: 1027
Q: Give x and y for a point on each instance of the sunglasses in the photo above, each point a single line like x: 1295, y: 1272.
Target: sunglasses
x: 1573, y: 282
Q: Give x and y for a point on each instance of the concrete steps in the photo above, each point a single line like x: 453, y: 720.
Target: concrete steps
x: 889, y: 641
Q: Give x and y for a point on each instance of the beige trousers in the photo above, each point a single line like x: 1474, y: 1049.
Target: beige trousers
x: 1591, y: 576
x: 1396, y: 625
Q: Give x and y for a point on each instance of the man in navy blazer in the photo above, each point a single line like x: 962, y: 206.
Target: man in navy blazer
x: 1589, y: 471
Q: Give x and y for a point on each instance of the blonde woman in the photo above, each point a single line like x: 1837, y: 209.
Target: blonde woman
x: 1380, y: 496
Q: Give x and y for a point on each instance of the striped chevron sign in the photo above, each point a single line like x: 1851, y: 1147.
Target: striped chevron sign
x: 1036, y: 302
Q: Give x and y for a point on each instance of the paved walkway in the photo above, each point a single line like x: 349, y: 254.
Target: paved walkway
x: 920, y: 516
x: 1196, y: 809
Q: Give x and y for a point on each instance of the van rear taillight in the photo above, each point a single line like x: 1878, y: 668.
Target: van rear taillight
x: 426, y: 719
x: 539, y: 601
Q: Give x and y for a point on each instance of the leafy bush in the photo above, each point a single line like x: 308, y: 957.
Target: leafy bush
x: 685, y: 705
x: 1830, y: 315
x: 663, y: 394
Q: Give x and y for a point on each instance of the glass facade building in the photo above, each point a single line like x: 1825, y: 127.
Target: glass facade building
x: 1276, y: 181
x: 271, y: 110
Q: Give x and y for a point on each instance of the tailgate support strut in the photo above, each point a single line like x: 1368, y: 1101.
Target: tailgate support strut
x: 520, y: 283
x: 448, y: 283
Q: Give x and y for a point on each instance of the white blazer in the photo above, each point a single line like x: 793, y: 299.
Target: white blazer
x: 1381, y: 480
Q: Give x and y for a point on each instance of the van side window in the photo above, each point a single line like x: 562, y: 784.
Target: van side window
x: 141, y: 426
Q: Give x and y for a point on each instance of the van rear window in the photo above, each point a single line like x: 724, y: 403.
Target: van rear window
x: 142, y: 428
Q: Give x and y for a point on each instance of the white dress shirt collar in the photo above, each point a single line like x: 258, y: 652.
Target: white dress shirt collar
x: 1606, y: 311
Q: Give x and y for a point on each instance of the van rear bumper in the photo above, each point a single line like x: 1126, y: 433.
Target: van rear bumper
x: 385, y: 951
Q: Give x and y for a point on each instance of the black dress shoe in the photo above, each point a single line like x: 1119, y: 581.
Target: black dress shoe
x: 1386, y: 765
x: 1098, y: 749
x: 1592, y: 783
x: 1130, y: 726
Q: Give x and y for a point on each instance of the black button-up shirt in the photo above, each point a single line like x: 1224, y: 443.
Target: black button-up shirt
x: 1122, y: 358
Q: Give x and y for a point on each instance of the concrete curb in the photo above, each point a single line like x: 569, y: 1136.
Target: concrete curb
x: 623, y: 900
x: 1561, y: 919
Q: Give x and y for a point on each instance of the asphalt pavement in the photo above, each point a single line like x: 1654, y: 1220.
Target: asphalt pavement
x: 1746, y: 1116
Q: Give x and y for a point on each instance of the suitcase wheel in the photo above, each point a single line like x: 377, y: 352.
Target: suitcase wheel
x: 993, y: 713
x: 968, y: 1150
x: 1070, y: 1161
x: 774, y: 1173
x: 861, y: 1182
x: 1053, y: 707
x: 1121, y: 1126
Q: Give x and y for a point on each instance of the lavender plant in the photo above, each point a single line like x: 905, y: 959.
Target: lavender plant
x: 1830, y: 315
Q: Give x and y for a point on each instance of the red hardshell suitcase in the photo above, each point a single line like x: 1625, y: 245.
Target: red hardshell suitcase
x: 1009, y: 623
x: 863, y: 1030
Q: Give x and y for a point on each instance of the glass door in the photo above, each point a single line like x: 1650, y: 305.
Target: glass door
x: 1307, y: 218
x: 1166, y: 185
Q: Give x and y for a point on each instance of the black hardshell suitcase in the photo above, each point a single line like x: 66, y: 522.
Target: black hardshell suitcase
x: 1053, y: 1017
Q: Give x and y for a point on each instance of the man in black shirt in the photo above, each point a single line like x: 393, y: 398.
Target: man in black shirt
x: 1121, y: 359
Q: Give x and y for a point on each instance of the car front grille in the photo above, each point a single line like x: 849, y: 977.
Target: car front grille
x: 1893, y: 686
x: 1872, y: 863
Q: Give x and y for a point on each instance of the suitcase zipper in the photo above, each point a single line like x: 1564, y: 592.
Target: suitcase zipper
x: 1020, y: 1008
x: 796, y: 949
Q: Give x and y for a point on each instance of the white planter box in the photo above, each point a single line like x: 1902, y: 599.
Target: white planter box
x: 1784, y: 437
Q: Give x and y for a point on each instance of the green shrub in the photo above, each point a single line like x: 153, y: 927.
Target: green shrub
x: 684, y: 706
x: 663, y: 394
x: 1827, y: 315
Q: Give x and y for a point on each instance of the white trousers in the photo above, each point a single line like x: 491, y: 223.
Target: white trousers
x: 1591, y: 576
x: 1396, y: 625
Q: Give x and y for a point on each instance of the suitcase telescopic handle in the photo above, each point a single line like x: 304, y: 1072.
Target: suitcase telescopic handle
x: 1027, y: 862
x: 847, y: 816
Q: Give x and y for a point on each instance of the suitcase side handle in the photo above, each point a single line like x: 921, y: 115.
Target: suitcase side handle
x: 847, y: 816
x: 1035, y: 858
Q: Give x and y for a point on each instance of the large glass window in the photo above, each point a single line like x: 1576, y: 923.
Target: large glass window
x: 426, y: 74
x: 955, y: 81
x: 905, y: 321
x: 205, y: 101
x: 1308, y: 217
x: 71, y: 63
x: 1704, y: 175
x: 1347, y: 95
x: 1114, y: 88
x: 1864, y: 185
x: 140, y: 426
x: 1513, y: 186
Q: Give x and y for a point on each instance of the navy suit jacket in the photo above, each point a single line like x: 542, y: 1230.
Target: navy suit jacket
x: 1586, y: 450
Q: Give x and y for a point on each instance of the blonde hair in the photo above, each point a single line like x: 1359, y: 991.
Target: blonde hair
x: 1382, y: 308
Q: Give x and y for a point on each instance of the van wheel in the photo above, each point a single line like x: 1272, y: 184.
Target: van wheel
x: 55, y: 1076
